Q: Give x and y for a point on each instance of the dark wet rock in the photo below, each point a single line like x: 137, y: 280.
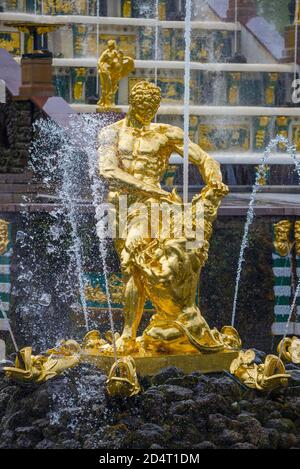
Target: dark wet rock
x: 46, y: 444
x: 243, y: 446
x: 228, y: 438
x: 217, y: 423
x: 212, y: 403
x: 288, y: 441
x: 175, y: 393
x: 227, y: 388
x: 192, y: 411
x: 165, y: 374
x: 146, y: 436
x: 205, y: 445
x: 282, y: 425
x: 70, y: 444
x: 14, y: 420
x: 293, y: 391
x: 187, y: 407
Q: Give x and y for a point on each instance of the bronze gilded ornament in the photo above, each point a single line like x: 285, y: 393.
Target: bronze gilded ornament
x: 282, y: 233
x: 122, y: 380
x: 265, y: 377
x: 41, y: 368
x: 4, y: 236
x: 113, y: 65
x: 289, y: 348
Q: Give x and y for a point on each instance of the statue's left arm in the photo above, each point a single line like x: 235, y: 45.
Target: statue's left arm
x: 208, y: 167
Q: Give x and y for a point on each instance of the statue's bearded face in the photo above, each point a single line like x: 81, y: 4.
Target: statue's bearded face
x: 145, y: 100
x: 145, y: 113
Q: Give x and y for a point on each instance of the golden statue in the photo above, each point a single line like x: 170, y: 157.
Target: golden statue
x: 112, y: 67
x: 264, y: 377
x: 134, y: 154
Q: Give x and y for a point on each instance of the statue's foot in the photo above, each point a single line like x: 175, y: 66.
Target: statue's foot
x: 124, y: 345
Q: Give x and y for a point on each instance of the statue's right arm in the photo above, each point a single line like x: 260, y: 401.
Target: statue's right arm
x: 110, y: 170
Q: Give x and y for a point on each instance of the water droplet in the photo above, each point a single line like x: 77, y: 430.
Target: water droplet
x: 26, y: 276
x: 20, y: 236
x: 45, y: 299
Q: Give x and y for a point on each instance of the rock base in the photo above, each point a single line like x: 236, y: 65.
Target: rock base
x: 174, y: 411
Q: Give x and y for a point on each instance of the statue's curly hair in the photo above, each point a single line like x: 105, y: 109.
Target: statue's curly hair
x: 145, y: 92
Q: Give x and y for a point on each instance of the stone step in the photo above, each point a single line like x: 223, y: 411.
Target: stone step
x: 10, y: 178
x: 18, y: 188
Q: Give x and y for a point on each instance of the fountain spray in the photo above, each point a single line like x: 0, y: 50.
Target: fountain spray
x: 187, y: 77
x: 291, y: 150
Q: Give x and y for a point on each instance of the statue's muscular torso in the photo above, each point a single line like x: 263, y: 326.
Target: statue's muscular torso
x: 145, y: 155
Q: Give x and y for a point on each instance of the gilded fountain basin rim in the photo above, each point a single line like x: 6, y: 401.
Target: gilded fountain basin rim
x: 150, y: 365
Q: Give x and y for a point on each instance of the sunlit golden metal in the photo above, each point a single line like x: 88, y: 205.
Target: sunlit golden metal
x: 282, y: 241
x: 112, y: 67
x: 289, y: 348
x: 134, y: 154
x: 40, y: 368
x: 4, y: 236
x: 264, y: 377
x: 122, y: 380
x: 297, y: 237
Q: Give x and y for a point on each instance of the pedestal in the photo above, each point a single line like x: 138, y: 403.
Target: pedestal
x: 36, y: 76
x: 148, y: 366
x: 246, y: 9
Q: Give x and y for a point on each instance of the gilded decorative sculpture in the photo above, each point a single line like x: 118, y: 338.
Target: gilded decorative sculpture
x: 265, y: 377
x: 4, y: 236
x: 134, y: 154
x: 282, y: 242
x: 112, y: 67
x: 160, y: 261
x: 40, y: 368
x: 289, y: 348
x: 122, y: 380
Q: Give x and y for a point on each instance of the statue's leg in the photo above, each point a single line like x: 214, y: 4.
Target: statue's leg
x: 105, y: 89
x: 134, y: 300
